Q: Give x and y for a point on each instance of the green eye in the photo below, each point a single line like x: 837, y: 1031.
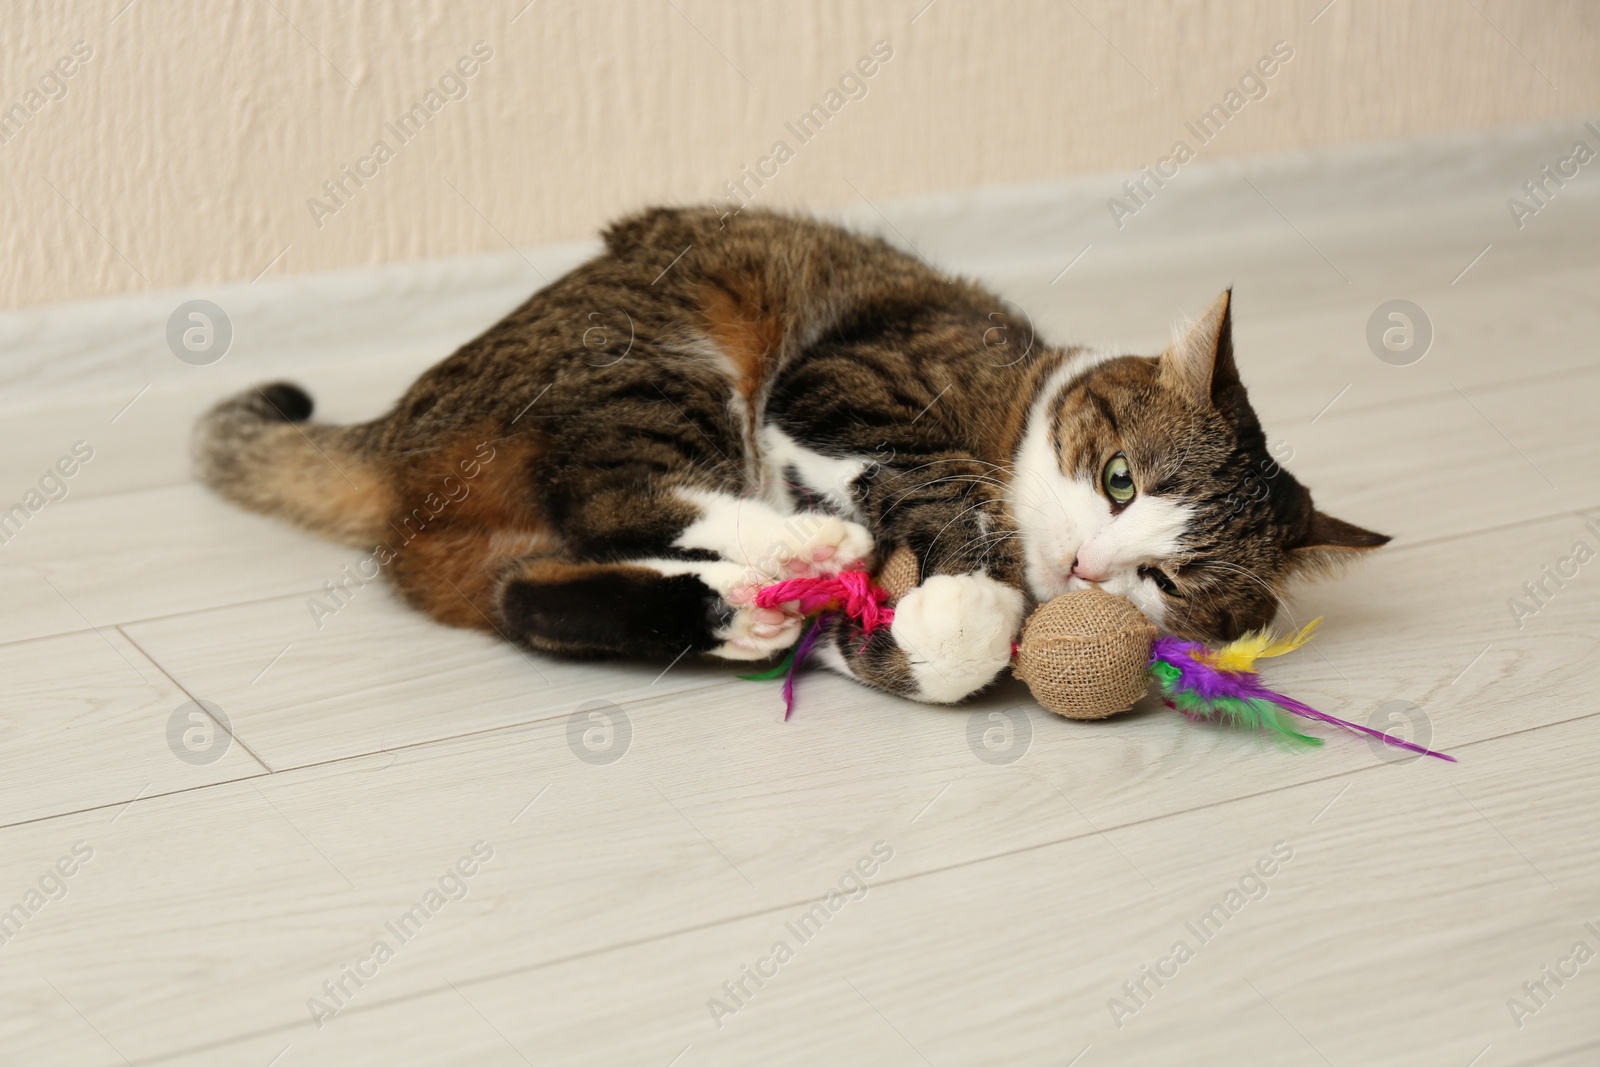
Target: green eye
x: 1118, y: 480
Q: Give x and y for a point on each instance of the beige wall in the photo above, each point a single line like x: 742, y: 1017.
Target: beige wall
x: 186, y: 148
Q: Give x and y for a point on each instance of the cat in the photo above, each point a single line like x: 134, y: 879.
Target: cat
x: 714, y: 402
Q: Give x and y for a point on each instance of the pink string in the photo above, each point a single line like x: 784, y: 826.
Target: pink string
x: 851, y: 592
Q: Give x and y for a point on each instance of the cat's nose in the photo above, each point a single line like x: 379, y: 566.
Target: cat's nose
x: 1088, y: 571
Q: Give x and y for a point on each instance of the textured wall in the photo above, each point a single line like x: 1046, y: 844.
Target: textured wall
x: 188, y: 144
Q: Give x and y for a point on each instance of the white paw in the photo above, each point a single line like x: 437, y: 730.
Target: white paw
x: 957, y: 631
x: 757, y: 633
x: 814, y: 543
x: 809, y: 545
x: 771, y: 544
x: 751, y: 633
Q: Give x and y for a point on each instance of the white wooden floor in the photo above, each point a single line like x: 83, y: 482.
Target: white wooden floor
x: 369, y: 757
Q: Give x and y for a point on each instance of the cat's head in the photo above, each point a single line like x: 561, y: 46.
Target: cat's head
x: 1151, y: 477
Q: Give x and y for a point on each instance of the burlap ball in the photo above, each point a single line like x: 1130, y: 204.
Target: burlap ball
x: 899, y: 573
x: 1084, y: 654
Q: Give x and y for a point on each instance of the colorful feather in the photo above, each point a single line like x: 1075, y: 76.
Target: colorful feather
x: 1223, y: 685
x: 1240, y: 656
x: 797, y: 658
x: 783, y: 667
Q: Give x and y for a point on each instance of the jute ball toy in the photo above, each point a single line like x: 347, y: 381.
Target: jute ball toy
x: 1087, y: 654
x: 1083, y: 655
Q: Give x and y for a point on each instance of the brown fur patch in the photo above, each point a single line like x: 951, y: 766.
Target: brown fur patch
x: 465, y: 517
x: 453, y: 572
x: 483, y: 472
x: 745, y: 326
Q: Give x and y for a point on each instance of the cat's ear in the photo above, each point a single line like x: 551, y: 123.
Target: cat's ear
x: 1199, y: 365
x: 1329, y: 541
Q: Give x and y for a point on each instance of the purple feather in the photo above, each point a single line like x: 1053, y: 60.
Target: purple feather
x: 807, y: 641
x: 1209, y: 683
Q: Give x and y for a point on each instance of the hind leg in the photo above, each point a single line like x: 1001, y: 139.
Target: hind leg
x: 631, y: 575
x: 470, y: 576
x: 520, y: 587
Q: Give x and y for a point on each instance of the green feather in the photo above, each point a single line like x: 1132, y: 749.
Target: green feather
x: 1165, y: 674
x: 1258, y: 715
x: 773, y: 672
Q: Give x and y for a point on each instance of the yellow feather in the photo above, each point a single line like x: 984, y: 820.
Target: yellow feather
x: 1294, y: 641
x: 1240, y: 656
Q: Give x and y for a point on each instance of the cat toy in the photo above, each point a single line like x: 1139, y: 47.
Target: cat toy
x: 1087, y: 654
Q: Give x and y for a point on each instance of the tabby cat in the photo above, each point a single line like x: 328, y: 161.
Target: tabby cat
x: 713, y: 402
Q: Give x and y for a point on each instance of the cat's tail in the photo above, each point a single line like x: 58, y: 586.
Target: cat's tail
x: 258, y: 450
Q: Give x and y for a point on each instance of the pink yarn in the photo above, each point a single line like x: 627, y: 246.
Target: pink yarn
x: 851, y: 592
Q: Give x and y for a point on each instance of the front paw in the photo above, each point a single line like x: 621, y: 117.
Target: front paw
x: 956, y: 631
x: 813, y: 543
